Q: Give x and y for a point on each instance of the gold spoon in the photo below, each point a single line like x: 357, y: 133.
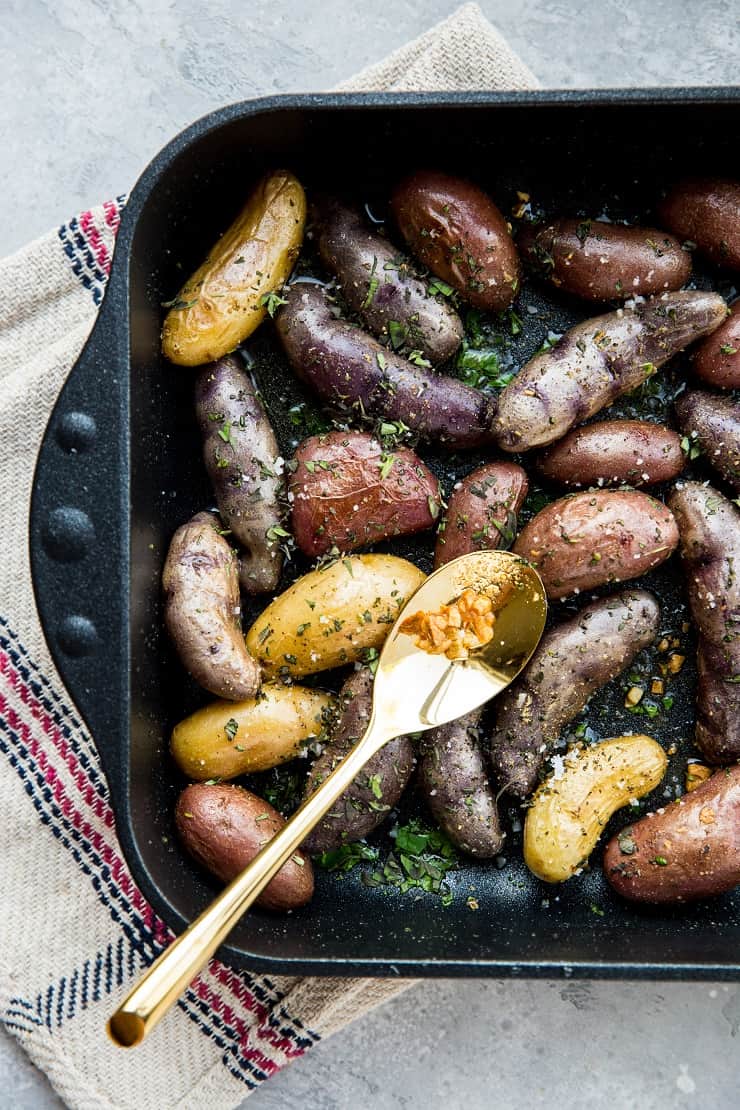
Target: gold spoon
x: 413, y: 691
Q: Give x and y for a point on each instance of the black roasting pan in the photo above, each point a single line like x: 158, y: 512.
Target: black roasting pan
x: 120, y: 469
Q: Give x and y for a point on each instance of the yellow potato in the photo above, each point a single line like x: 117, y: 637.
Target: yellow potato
x: 331, y: 616
x: 229, y: 738
x: 571, y: 808
x: 221, y: 304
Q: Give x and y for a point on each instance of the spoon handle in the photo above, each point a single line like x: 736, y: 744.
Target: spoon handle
x: 178, y: 965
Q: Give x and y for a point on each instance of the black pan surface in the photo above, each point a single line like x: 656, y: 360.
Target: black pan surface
x: 141, y: 476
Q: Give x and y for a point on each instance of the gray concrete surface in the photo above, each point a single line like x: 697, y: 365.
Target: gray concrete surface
x: 90, y: 89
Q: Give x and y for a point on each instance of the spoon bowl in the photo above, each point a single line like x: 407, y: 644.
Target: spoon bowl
x: 416, y: 688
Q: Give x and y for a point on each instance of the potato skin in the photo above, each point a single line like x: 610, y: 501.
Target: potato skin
x: 696, y: 838
x: 223, y: 828
x: 380, y: 283
x: 220, y: 305
x: 248, y: 488
x: 706, y: 212
x: 202, y: 610
x: 613, y: 453
x: 271, y: 729
x: 352, y: 371
x: 572, y: 661
x: 457, y: 231
x: 709, y: 525
x: 597, y: 537
x: 318, y: 622
x: 713, y: 422
x: 481, y: 513
x: 717, y: 359
x: 595, y: 362
x: 567, y: 814
x: 605, y: 262
x: 454, y: 782
x: 361, y: 809
x: 348, y: 491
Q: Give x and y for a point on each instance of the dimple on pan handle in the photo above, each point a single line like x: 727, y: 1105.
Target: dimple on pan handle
x: 79, y: 528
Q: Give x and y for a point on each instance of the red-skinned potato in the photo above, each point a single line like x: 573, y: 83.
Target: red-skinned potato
x: 707, y: 213
x: 457, y: 231
x: 688, y: 850
x: 717, y: 359
x: 481, y: 515
x: 613, y: 453
x: 223, y: 827
x: 591, y: 539
x: 605, y: 262
x: 349, y: 491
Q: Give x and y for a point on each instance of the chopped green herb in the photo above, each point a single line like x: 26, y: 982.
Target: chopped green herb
x: 272, y: 301
x: 177, y: 303
x: 347, y: 856
x: 436, y: 285
x: 231, y: 728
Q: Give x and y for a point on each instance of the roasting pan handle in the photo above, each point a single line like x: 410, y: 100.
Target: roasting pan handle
x: 79, y: 533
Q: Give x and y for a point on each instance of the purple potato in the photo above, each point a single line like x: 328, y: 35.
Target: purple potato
x: 352, y: 372
x: 713, y: 423
x: 709, y: 527
x: 595, y: 362
x: 241, y: 455
x: 454, y: 781
x: 381, y: 284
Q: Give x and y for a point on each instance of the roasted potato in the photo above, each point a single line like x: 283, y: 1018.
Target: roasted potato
x: 707, y: 214
x: 688, y: 850
x: 334, y: 615
x: 349, y: 491
x: 453, y: 780
x: 481, y: 514
x: 202, y: 609
x: 595, y: 362
x: 355, y: 374
x: 716, y: 360
x: 709, y: 526
x: 241, y: 456
x: 572, y: 661
x: 605, y: 262
x: 597, y: 537
x: 381, y: 285
x: 712, y: 423
x: 567, y: 814
x: 378, y: 787
x: 457, y: 231
x: 226, y: 738
x: 223, y: 828
x: 224, y: 301
x: 613, y: 453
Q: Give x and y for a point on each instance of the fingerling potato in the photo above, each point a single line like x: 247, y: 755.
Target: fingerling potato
x: 716, y: 360
x: 688, y: 850
x: 707, y: 214
x: 333, y: 615
x: 482, y: 511
x: 349, y: 491
x: 572, y: 661
x: 202, y: 609
x: 223, y: 828
x: 597, y: 537
x: 222, y: 303
x: 712, y: 423
x: 605, y: 262
x: 356, y: 374
x: 240, y: 453
x: 457, y: 231
x: 613, y: 453
x: 597, y: 361
x: 368, y: 801
x: 569, y: 811
x: 226, y: 739
x: 380, y: 284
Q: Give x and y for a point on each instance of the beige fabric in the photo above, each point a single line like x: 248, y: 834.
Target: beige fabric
x: 72, y: 922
